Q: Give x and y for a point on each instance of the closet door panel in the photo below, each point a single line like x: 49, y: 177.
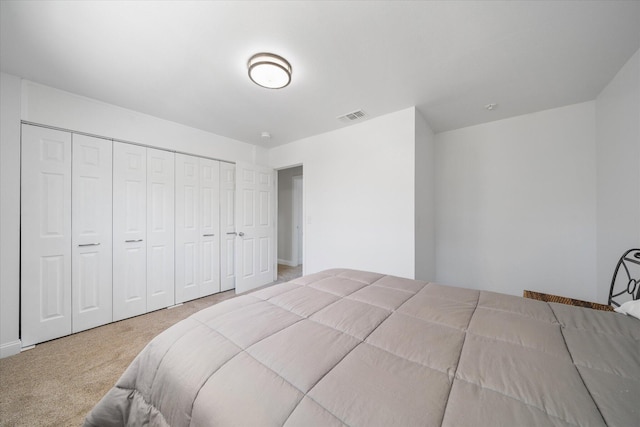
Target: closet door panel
x: 227, y: 225
x: 91, y: 243
x: 210, y: 226
x: 187, y: 265
x: 129, y: 230
x: 45, y: 234
x: 160, y: 229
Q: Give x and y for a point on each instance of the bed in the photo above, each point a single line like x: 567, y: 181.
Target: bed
x: 345, y: 347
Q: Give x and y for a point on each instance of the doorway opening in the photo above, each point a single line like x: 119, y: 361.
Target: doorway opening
x: 290, y: 223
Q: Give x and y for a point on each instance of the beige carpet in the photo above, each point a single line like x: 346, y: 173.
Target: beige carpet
x: 286, y: 273
x: 58, y: 382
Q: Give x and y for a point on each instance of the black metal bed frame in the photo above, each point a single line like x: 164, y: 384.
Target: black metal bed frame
x: 633, y: 284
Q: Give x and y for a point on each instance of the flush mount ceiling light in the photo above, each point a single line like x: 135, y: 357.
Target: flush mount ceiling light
x: 269, y: 70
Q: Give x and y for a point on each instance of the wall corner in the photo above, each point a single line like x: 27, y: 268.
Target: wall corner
x: 10, y: 108
x: 425, y: 233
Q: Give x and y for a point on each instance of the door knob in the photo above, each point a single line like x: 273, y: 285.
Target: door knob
x: 241, y: 234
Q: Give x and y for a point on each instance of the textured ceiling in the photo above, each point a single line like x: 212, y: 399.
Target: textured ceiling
x: 186, y: 61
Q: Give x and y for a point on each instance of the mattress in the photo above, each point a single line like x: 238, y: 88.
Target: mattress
x: 345, y: 347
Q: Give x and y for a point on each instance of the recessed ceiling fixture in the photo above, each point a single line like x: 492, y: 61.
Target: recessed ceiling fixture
x: 265, y: 135
x: 491, y: 106
x: 269, y: 70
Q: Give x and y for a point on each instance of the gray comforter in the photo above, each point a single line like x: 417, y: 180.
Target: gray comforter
x: 346, y: 347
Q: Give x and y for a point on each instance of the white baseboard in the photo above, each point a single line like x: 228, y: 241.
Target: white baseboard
x: 287, y: 262
x: 10, y: 348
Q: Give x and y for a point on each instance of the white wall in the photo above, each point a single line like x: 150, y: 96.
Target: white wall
x: 9, y: 214
x: 285, y: 213
x: 358, y: 195
x: 425, y: 238
x: 515, y: 204
x: 618, y: 170
x: 53, y: 107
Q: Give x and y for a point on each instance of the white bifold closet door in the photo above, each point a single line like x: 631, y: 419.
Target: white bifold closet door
x: 66, y: 257
x: 91, y: 241
x: 160, y: 229
x: 197, y: 227
x: 227, y: 226
x: 129, y: 230
x: 45, y: 249
x: 143, y: 230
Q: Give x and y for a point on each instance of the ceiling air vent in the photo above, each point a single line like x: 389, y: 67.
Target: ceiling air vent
x: 350, y: 117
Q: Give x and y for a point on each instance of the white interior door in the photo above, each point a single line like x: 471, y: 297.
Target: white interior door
x: 209, y: 226
x: 160, y: 229
x: 227, y: 225
x: 187, y: 266
x: 45, y: 272
x: 255, y: 224
x: 91, y: 241
x: 129, y: 230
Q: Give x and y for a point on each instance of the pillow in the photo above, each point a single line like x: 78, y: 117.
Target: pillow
x: 630, y: 307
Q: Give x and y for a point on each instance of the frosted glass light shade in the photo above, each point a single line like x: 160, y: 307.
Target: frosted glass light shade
x: 269, y: 70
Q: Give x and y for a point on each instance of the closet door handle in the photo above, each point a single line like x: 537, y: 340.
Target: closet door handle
x: 133, y: 241
x: 89, y: 244
x: 241, y: 234
x: 233, y: 232
x: 208, y: 235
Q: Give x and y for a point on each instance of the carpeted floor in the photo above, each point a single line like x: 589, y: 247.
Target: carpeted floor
x: 58, y: 382
x: 286, y: 273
